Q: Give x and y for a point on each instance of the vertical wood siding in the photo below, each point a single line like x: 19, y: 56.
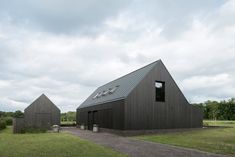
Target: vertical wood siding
x: 109, y: 115
x: 139, y: 110
x: 143, y: 112
x: 42, y: 113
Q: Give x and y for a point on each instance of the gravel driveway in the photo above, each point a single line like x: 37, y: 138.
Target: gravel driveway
x: 137, y: 148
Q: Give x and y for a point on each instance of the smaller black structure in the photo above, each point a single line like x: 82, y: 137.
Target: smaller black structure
x: 42, y: 114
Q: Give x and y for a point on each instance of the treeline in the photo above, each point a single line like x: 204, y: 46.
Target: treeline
x: 68, y: 116
x: 16, y: 114
x: 6, y: 118
x: 222, y: 110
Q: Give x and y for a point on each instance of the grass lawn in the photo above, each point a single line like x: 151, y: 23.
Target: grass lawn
x: 216, y: 140
x: 67, y: 122
x: 49, y: 145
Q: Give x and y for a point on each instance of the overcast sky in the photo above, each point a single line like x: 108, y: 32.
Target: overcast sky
x: 67, y: 48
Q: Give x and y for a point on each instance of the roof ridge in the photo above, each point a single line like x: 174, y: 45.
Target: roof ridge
x: 131, y: 72
x: 124, y: 82
x: 41, y: 97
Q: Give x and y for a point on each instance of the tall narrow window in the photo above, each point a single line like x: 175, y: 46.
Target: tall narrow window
x: 160, y: 91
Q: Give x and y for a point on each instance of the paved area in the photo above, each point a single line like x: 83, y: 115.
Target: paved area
x: 137, y: 148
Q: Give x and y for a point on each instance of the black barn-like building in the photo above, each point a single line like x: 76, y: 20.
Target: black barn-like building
x: 147, y: 98
x: 42, y: 113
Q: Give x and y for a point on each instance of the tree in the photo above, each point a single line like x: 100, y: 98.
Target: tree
x: 212, y: 108
x: 2, y: 114
x: 18, y: 114
x: 223, y: 110
x: 229, y: 108
x: 69, y: 116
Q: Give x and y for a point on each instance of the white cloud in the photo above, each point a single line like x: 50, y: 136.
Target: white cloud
x: 60, y: 16
x: 198, y: 82
x: 68, y: 67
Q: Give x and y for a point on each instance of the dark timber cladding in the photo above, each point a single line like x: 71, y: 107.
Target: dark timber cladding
x: 42, y: 113
x: 147, y: 98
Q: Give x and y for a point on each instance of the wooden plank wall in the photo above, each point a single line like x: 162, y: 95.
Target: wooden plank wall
x: 18, y: 125
x: 41, y: 106
x: 114, y: 110
x: 142, y: 112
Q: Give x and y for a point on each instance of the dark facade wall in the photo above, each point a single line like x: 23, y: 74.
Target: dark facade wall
x: 143, y: 112
x: 42, y: 114
x: 197, y: 116
x: 108, y: 115
x: 18, y: 125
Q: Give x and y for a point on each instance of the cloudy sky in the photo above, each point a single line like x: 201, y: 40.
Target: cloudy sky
x: 67, y: 48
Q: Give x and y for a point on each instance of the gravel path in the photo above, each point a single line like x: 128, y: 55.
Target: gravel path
x: 137, y: 148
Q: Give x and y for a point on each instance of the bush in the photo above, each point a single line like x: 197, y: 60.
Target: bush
x: 68, y: 124
x: 18, y: 114
x: 2, y: 124
x: 205, y: 124
x: 8, y: 120
x: 33, y: 130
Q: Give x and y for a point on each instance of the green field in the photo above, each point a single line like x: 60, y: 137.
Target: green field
x: 68, y: 122
x: 216, y: 140
x: 49, y: 145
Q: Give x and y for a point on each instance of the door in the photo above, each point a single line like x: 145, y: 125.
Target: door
x: 95, y: 117
x: 90, y: 120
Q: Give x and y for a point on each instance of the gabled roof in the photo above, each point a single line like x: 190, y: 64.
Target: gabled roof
x: 124, y: 85
x: 42, y: 99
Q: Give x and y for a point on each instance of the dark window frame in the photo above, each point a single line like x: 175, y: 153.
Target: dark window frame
x: 160, y: 93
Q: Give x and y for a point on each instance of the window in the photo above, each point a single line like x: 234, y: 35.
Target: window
x: 105, y: 92
x: 112, y: 90
x: 99, y: 95
x: 94, y: 97
x: 160, y: 91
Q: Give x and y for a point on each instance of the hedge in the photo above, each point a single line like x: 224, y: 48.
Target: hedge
x: 8, y: 120
x: 2, y: 124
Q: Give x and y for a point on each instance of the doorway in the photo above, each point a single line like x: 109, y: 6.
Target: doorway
x: 92, y: 119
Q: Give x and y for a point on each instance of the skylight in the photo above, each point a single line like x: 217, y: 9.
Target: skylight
x: 105, y: 92
x: 112, y: 90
